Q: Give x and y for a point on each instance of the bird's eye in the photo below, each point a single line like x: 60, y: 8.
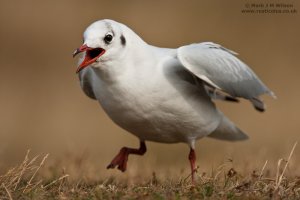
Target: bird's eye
x: 108, y: 38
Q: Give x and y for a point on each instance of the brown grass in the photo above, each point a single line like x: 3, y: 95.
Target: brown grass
x: 28, y: 181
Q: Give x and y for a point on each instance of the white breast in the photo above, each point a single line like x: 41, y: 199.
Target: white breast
x: 154, y: 104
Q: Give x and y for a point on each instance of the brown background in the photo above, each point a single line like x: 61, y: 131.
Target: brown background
x: 44, y: 109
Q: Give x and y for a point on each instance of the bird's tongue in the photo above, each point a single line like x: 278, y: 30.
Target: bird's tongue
x: 91, y: 55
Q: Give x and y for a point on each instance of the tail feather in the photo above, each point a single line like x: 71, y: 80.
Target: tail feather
x: 228, y: 131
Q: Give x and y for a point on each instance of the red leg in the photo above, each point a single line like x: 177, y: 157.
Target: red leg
x: 121, y: 159
x: 192, y: 158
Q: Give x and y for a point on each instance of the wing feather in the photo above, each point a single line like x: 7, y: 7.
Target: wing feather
x: 218, y: 66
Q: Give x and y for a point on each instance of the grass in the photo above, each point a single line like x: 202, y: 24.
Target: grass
x: 26, y: 181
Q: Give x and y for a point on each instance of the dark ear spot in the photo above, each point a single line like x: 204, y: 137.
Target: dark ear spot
x: 123, y: 40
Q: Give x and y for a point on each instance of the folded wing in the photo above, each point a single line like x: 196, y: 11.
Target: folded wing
x: 85, y: 83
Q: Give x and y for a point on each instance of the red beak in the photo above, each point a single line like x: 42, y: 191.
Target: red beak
x: 91, y: 55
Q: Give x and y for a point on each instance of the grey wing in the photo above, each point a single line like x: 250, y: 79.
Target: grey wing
x: 220, y: 69
x: 85, y: 84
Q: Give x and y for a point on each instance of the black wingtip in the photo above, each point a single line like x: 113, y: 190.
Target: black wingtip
x: 260, y: 109
x: 258, y: 104
x: 232, y: 99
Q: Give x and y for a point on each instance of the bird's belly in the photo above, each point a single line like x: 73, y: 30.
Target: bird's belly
x: 159, y: 116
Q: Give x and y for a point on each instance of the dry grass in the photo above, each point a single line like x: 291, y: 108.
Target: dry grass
x: 27, y: 181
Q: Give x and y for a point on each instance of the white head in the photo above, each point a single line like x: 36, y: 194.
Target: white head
x: 103, y: 40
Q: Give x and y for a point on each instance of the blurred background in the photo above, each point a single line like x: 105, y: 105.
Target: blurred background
x: 43, y: 108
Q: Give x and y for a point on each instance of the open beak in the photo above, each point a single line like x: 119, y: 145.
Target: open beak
x: 91, y: 55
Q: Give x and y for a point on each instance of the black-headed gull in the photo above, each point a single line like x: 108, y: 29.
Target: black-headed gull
x: 161, y: 94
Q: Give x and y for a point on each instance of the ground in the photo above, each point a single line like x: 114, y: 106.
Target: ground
x: 30, y: 180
